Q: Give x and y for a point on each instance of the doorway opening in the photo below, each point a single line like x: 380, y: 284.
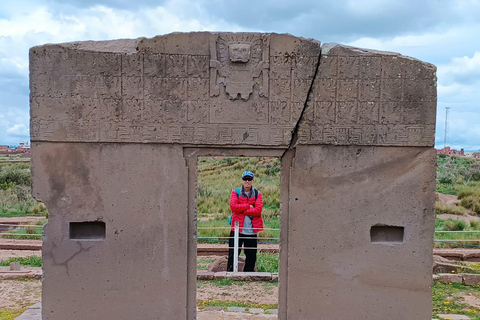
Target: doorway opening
x: 219, y: 181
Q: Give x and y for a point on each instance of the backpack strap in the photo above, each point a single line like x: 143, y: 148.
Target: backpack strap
x: 237, y: 190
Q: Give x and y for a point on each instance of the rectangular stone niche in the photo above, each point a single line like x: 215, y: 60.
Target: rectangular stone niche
x: 87, y: 230
x: 386, y: 234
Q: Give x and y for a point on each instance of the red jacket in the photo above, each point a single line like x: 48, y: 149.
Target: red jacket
x: 240, y: 206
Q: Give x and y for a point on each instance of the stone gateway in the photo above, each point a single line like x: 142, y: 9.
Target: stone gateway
x: 116, y: 130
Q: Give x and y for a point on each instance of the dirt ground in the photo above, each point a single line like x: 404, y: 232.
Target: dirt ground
x: 447, y: 198
x: 248, y: 292
x: 20, y: 294
x: 452, y: 200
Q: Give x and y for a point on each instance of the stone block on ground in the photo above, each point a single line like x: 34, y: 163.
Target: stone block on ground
x: 220, y: 264
x: 450, y: 277
x: 220, y: 275
x: 213, y: 309
x: 453, y: 316
x: 205, y: 275
x: 471, y: 279
x: 237, y: 276
x: 443, y: 267
x: 236, y: 309
x: 15, y: 266
x: 272, y: 311
x: 256, y: 310
x: 34, y: 312
x: 258, y: 276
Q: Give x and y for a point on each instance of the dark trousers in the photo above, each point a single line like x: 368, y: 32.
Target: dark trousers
x: 249, y: 242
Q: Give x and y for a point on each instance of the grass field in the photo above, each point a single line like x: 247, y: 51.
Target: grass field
x: 217, y: 177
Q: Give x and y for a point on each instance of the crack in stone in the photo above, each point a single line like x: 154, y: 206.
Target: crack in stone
x: 294, y: 138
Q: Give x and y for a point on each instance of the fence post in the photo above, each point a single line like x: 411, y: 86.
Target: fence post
x: 235, y: 248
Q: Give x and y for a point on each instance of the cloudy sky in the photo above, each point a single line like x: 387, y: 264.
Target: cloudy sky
x: 445, y: 33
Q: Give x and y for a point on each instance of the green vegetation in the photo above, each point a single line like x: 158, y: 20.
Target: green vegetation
x: 10, y: 314
x: 218, y: 176
x: 458, y: 176
x: 447, y: 299
x: 30, y: 261
x: 456, y: 238
x: 27, y: 232
x: 15, y: 197
x: 267, y: 262
x: 441, y: 208
x: 455, y: 173
x: 202, y: 263
x: 225, y: 304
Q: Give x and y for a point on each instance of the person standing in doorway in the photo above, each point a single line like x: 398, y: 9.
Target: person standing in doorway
x: 246, y: 204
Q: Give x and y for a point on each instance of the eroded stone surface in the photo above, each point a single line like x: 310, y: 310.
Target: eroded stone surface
x: 114, y: 124
x: 366, y: 97
x: 198, y: 88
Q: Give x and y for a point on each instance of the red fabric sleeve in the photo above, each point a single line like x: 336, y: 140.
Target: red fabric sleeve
x: 235, y: 205
x: 257, y: 210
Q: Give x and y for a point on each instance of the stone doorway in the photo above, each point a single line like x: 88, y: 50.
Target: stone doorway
x: 116, y: 129
x: 192, y: 155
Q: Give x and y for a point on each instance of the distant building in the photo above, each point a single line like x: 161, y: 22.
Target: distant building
x: 3, y: 148
x: 476, y: 155
x: 452, y: 152
x: 24, y: 144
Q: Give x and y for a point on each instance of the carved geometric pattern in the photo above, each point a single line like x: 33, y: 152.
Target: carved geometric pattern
x: 369, y: 98
x: 243, y: 92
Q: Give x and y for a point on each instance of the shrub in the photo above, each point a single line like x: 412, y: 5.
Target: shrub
x: 13, y: 175
x: 469, y: 191
x: 30, y: 261
x: 475, y: 224
x: 441, y: 208
x: 455, y: 225
x: 445, y: 180
x: 471, y: 202
x: 267, y: 262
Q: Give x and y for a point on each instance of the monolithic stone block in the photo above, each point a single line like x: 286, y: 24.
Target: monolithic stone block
x: 471, y: 279
x: 450, y: 278
x: 114, y: 124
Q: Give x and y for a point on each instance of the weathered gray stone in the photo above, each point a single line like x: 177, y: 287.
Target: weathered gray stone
x: 453, y: 316
x: 471, y: 279
x: 97, y: 182
x: 272, y: 311
x: 256, y: 310
x: 367, y: 97
x: 450, y: 278
x: 205, y: 275
x: 236, y: 309
x: 220, y: 275
x: 15, y: 266
x: 220, y: 264
x: 347, y: 268
x: 116, y: 129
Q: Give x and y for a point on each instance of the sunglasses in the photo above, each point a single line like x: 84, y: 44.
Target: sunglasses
x: 247, y: 178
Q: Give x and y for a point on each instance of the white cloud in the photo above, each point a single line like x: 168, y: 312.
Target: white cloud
x: 418, y: 29
x: 18, y: 130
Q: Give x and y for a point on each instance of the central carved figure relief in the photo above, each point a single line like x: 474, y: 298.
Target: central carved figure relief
x: 239, y: 66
